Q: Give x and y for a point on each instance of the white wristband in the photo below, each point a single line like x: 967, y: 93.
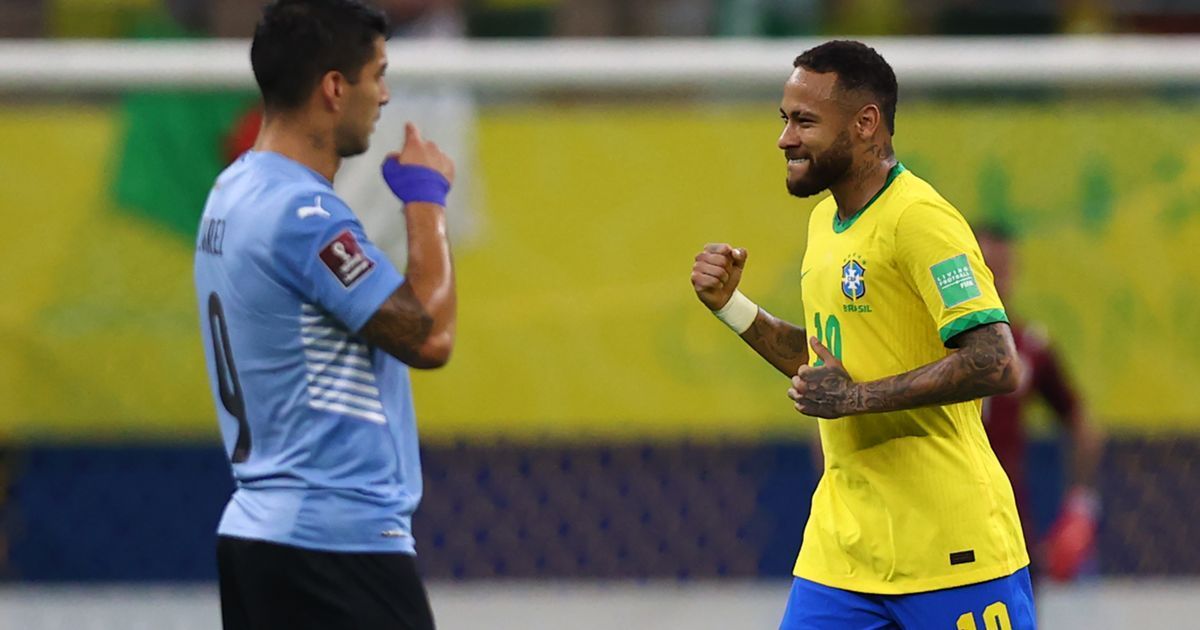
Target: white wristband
x: 738, y: 313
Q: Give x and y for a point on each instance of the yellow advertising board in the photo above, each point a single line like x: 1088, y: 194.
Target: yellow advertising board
x: 577, y: 320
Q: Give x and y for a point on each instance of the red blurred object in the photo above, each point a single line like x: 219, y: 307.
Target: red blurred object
x: 243, y: 135
x: 1072, y: 538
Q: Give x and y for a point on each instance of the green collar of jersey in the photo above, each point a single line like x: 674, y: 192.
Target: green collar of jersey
x: 840, y: 226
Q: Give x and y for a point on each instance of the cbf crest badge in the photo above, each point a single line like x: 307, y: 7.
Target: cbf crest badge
x: 854, y: 286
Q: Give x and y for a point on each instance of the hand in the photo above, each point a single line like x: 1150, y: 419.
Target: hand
x: 421, y: 152
x: 716, y: 273
x: 1072, y: 537
x: 826, y: 391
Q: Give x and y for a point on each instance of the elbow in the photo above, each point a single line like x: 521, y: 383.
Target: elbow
x: 1007, y: 376
x: 434, y: 353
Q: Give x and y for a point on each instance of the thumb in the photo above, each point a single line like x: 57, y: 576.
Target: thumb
x: 825, y: 355
x: 739, y: 257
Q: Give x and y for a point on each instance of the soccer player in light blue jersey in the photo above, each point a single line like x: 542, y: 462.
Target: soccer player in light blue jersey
x: 308, y: 329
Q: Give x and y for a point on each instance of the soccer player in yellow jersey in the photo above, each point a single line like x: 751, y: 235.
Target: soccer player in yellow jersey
x: 913, y: 524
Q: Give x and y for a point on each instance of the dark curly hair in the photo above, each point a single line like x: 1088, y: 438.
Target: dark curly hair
x: 297, y: 41
x: 859, y: 69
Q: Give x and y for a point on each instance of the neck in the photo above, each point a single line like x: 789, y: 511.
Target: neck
x: 294, y: 138
x: 864, y: 180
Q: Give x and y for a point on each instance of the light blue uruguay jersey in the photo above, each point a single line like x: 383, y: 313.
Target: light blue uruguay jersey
x: 319, y: 426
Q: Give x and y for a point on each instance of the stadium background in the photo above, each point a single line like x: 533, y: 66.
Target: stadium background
x: 595, y: 425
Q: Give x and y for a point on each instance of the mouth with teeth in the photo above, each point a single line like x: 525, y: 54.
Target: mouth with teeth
x: 797, y: 165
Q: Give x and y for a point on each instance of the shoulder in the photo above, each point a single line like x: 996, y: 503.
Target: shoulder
x: 926, y: 211
x: 306, y: 217
x: 304, y: 206
x: 283, y: 192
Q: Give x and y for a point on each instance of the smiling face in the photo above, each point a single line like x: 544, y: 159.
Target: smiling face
x: 816, y: 138
x: 363, y: 100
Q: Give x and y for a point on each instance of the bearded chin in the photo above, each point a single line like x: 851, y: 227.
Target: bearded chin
x: 806, y: 187
x: 824, y: 172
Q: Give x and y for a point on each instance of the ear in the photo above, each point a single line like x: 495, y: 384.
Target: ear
x: 333, y: 88
x: 868, y: 120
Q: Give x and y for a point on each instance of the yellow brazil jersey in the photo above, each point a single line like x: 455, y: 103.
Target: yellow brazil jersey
x: 911, y: 500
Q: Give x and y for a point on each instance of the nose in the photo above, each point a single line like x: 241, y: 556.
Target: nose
x: 385, y: 96
x: 788, y: 138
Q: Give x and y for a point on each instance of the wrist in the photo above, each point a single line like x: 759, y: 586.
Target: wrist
x: 412, y: 183
x: 738, y: 313
x: 855, y: 400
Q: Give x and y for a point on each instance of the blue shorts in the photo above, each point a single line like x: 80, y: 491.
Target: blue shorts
x: 1001, y: 604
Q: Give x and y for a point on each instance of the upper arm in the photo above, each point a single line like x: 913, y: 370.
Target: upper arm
x: 402, y: 327
x: 991, y: 354
x: 327, y: 258
x: 938, y: 253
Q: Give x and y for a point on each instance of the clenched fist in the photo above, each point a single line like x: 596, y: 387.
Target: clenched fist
x: 716, y: 273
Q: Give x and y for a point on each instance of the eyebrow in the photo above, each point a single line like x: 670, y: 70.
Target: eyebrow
x: 799, y: 113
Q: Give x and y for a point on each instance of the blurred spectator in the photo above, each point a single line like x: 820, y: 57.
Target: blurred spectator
x: 1069, y: 544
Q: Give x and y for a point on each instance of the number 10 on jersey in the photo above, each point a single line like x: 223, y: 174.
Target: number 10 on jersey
x: 830, y: 336
x: 995, y: 617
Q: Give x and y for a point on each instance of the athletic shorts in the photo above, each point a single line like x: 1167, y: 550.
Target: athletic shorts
x: 268, y: 586
x: 1001, y: 604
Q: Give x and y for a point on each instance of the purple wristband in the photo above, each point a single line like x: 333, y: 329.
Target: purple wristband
x: 412, y: 183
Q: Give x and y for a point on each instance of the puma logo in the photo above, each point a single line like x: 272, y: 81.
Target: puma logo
x: 313, y: 211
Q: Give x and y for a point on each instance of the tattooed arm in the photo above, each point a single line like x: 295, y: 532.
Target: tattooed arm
x: 985, y: 364
x: 416, y: 323
x: 782, y: 344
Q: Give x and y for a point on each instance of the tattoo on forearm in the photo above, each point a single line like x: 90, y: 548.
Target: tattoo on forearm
x: 983, y: 366
x: 783, y: 345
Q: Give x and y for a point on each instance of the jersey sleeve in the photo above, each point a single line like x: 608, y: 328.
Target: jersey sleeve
x: 323, y: 253
x: 938, y: 252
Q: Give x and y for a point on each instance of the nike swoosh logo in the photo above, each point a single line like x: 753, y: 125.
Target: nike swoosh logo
x: 804, y: 273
